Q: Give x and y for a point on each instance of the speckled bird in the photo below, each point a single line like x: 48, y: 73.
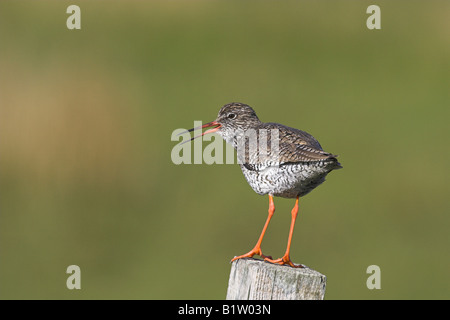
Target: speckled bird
x: 275, y: 159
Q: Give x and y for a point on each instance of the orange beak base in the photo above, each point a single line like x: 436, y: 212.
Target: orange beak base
x: 214, y: 124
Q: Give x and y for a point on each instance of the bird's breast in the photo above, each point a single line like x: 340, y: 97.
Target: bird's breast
x: 289, y: 180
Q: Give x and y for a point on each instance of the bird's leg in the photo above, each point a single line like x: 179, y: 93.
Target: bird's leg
x: 286, y: 259
x: 257, y: 249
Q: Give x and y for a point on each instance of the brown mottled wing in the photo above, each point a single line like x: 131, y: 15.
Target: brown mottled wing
x: 296, y: 145
x: 293, y: 146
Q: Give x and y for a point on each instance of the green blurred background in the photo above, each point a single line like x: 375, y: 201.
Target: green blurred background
x: 86, y: 118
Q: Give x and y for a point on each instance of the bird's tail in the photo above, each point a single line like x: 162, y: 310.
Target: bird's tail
x: 335, y: 162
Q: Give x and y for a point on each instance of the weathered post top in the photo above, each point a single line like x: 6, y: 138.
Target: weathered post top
x: 252, y: 279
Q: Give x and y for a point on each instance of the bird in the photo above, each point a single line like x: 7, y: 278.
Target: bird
x: 276, y: 160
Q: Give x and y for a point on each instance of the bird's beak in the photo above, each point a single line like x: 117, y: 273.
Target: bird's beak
x: 214, y: 124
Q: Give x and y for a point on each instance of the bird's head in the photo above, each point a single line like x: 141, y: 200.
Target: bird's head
x: 237, y: 116
x: 232, y: 117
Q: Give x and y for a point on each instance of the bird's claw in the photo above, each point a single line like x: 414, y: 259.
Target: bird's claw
x: 251, y: 253
x: 284, y: 260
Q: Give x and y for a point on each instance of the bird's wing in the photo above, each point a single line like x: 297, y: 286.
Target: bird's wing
x: 291, y: 153
x: 293, y: 146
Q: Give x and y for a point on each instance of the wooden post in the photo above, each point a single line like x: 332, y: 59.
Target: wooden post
x: 252, y: 279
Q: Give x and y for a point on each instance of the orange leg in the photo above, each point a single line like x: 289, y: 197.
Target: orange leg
x: 286, y: 259
x: 257, y: 249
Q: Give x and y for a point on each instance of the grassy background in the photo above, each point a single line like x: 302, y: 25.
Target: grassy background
x: 86, y: 118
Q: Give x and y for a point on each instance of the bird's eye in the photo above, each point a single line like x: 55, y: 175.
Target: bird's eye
x: 231, y: 116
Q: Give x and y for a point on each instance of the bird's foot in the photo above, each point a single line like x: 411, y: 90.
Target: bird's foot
x: 284, y: 260
x: 251, y: 253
